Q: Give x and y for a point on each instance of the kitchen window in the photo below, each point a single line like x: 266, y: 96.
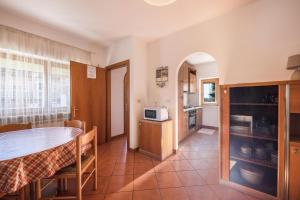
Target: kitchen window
x: 209, y: 91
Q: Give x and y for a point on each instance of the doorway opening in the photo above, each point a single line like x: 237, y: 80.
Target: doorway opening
x: 118, y: 101
x: 198, y: 114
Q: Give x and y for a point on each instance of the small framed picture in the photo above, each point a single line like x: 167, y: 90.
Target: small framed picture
x: 162, y: 75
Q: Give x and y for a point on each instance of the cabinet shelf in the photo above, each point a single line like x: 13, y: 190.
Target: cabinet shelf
x: 268, y: 186
x: 255, y: 136
x: 265, y: 163
x: 254, y: 104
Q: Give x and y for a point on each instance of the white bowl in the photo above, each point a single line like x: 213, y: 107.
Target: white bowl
x: 252, y: 175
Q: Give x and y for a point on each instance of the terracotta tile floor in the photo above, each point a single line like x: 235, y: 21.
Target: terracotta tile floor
x: 192, y: 174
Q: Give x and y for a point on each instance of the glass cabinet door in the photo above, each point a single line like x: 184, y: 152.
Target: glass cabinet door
x: 254, y: 137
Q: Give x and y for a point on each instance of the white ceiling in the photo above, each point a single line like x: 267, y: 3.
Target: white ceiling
x: 200, y: 58
x: 105, y: 20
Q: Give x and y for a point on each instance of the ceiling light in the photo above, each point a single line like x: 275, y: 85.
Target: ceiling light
x: 159, y: 2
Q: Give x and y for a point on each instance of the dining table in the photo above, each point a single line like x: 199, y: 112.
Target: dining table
x: 33, y: 154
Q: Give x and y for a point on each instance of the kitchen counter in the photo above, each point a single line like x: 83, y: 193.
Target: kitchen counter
x: 192, y: 108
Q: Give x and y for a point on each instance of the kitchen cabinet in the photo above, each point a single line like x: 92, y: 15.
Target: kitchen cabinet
x: 295, y: 98
x: 186, y: 130
x: 156, y: 138
x: 252, y: 138
x: 185, y: 77
x: 192, y: 81
x: 294, y: 180
x: 198, y: 118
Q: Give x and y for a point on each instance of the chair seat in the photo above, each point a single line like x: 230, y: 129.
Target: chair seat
x: 71, y: 169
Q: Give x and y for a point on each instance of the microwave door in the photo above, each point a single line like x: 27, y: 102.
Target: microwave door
x: 150, y: 114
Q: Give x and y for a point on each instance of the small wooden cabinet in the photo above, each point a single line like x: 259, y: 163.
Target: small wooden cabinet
x: 156, y: 138
x: 294, y: 180
x: 295, y: 98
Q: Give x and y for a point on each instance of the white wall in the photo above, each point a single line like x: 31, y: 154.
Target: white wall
x: 250, y: 44
x: 210, y: 112
x: 135, y: 50
x: 34, y: 27
x: 117, y: 101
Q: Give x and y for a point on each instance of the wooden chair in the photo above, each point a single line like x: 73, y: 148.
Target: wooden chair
x: 85, y: 165
x: 8, y: 128
x: 75, y: 124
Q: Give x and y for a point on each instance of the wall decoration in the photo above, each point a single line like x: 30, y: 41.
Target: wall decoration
x: 162, y: 75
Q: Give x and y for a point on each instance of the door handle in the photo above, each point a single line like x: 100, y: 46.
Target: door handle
x: 74, y: 111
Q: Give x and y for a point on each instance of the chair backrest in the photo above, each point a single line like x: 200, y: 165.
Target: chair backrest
x: 14, y: 127
x: 75, y: 124
x: 86, y: 139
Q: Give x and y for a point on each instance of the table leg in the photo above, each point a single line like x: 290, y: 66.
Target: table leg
x: 32, y: 191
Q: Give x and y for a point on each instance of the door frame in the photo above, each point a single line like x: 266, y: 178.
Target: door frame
x: 108, y: 99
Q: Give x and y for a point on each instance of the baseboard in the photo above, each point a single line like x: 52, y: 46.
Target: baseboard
x: 134, y: 150
x: 117, y: 136
x: 210, y: 127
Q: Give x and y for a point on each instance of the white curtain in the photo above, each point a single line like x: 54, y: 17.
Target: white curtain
x: 35, y: 78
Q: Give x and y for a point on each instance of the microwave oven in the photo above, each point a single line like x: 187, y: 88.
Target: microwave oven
x: 156, y: 114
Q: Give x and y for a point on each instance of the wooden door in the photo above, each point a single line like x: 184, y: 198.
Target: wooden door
x: 155, y: 140
x: 88, y: 98
x: 294, y: 185
x: 146, y: 133
x: 150, y: 139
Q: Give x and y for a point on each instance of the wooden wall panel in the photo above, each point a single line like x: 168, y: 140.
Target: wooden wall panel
x: 295, y: 98
x: 224, y: 134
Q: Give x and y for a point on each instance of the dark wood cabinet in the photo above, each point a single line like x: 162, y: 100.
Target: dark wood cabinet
x: 252, y: 138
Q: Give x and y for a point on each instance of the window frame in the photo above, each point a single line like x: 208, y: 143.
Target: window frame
x: 210, y: 80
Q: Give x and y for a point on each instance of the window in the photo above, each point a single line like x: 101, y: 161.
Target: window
x: 209, y: 91
x: 33, y: 89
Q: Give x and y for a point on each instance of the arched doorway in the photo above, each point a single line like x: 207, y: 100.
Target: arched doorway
x: 197, y: 71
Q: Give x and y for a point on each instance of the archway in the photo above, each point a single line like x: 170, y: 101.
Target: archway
x: 197, y: 59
